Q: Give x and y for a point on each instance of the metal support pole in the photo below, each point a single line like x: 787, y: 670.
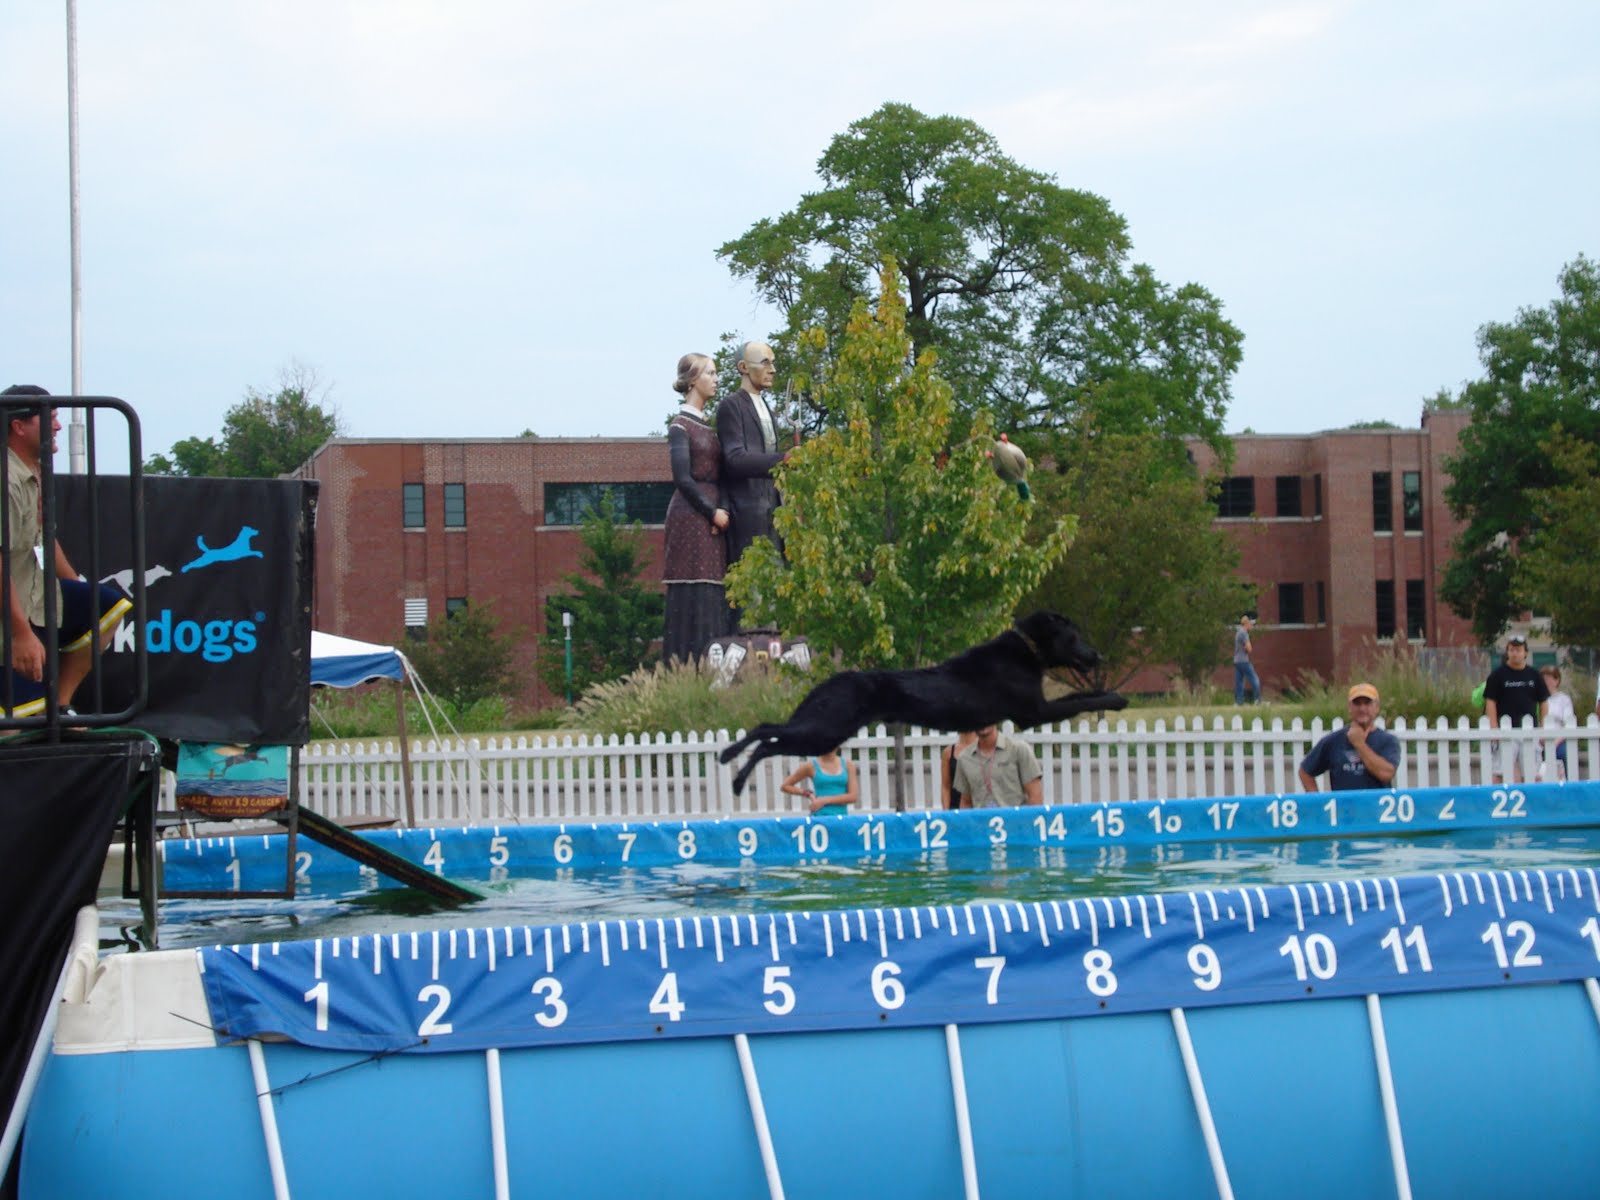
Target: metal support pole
x: 566, y: 624
x: 77, y: 439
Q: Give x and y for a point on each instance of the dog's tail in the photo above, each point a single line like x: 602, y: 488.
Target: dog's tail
x: 201, y: 542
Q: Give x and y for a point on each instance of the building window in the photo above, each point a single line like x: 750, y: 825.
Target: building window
x: 1411, y: 501
x: 1288, y: 495
x: 1385, y: 608
x: 1322, y: 603
x: 453, y: 605
x: 1416, y: 610
x: 1316, y: 495
x: 570, y: 503
x: 1291, y: 604
x: 1382, y: 502
x: 416, y: 616
x: 1237, y: 498
x: 455, y: 505
x: 415, y: 513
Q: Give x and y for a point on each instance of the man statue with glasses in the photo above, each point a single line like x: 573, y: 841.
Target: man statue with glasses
x: 749, y: 441
x: 1358, y: 756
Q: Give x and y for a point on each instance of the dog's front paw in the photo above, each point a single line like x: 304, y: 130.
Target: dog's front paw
x: 1113, y: 702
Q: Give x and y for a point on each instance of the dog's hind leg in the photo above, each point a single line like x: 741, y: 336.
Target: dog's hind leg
x: 743, y: 774
x: 760, y: 733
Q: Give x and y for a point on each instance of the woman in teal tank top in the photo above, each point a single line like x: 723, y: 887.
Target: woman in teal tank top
x: 835, y: 783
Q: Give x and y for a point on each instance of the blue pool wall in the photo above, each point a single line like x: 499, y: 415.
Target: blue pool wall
x: 245, y: 863
x: 1497, y: 1085
x: 1496, y: 1095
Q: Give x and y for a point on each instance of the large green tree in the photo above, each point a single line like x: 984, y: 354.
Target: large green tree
x: 1541, y: 371
x: 615, y: 618
x: 262, y: 436
x: 1558, y: 571
x: 464, y: 657
x: 1023, y: 286
x: 1150, y: 579
x: 901, y: 546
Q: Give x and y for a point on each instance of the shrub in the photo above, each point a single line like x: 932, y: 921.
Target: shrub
x: 683, y: 697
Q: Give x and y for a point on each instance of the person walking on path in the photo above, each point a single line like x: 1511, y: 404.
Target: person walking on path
x: 1244, y: 670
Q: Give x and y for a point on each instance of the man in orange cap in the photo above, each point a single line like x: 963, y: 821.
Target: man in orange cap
x: 1358, y: 756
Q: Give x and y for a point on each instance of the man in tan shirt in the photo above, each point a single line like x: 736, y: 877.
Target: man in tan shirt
x: 998, y: 771
x: 77, y: 613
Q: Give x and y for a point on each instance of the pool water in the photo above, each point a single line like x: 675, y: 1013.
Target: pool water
x: 561, y: 895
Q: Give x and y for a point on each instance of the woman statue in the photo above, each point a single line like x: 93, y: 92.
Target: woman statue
x: 696, y: 552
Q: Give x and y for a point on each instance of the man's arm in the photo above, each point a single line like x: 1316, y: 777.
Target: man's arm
x: 1492, y: 711
x: 1029, y: 772
x: 64, y: 569
x: 27, y: 651
x: 1314, y: 764
x: 1379, y: 767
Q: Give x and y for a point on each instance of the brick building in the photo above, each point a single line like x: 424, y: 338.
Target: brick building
x: 1346, y: 535
x: 407, y: 529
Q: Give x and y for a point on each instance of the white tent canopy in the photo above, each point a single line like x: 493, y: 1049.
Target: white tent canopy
x: 344, y: 662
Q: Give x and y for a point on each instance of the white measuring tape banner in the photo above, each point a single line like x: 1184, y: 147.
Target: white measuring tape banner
x: 470, y: 989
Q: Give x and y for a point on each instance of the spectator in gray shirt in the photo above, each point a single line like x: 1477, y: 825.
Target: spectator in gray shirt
x: 1244, y: 671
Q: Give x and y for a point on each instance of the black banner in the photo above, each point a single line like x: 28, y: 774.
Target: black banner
x: 228, y: 571
x: 58, y: 806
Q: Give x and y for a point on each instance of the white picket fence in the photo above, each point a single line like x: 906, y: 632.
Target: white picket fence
x: 677, y: 776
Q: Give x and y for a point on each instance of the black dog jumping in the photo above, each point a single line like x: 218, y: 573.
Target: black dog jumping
x: 1003, y: 679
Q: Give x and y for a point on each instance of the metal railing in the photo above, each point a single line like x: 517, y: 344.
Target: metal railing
x: 125, y: 495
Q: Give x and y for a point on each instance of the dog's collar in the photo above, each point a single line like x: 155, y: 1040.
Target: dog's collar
x: 1027, y: 641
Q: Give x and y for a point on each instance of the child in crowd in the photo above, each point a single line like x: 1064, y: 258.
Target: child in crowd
x: 835, y: 783
x: 1559, y: 715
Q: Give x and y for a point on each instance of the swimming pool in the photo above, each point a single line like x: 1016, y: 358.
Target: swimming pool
x: 553, y: 874
x: 334, y: 903
x: 1339, y: 1035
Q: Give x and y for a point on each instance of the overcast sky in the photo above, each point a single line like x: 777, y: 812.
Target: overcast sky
x: 472, y: 218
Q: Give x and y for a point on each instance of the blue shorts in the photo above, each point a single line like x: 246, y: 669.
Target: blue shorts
x: 77, y: 627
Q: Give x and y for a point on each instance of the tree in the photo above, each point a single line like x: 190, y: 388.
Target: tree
x: 615, y: 619
x: 1150, y: 579
x: 464, y: 658
x: 1558, y: 571
x: 901, y: 546
x: 1021, y: 285
x: 262, y: 436
x: 1541, y: 370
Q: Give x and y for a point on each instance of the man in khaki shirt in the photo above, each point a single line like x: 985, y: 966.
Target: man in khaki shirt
x: 998, y: 771
x: 77, y: 613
